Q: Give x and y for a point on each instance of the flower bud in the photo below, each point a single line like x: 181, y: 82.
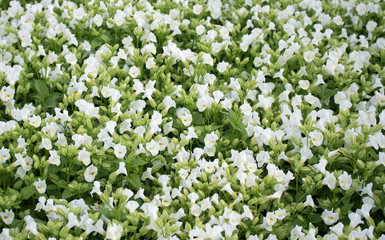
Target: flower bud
x: 104, y: 198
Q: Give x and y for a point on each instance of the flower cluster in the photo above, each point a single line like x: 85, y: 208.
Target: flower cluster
x: 177, y: 119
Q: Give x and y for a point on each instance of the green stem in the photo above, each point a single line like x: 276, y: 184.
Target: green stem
x: 68, y: 170
x: 296, y: 187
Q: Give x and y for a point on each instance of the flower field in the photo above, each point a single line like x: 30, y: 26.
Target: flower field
x: 207, y: 119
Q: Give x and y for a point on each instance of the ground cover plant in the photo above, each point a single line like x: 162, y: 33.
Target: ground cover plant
x: 240, y: 119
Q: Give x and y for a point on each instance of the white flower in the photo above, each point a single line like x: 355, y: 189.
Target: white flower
x: 150, y: 63
x: 371, y: 26
x: 330, y: 180
x: 316, y: 137
x: 228, y: 189
x: 40, y: 186
x: 72, y: 220
x: 90, y: 173
x: 54, y: 158
x: 71, y: 58
x: 31, y: 225
x: 120, y: 151
x: 381, y: 159
x: 35, y: 121
x: 222, y: 66
x: 296, y: 233
x: 134, y: 72
x: 361, y: 9
x: 114, y: 232
x: 345, y: 181
x: 132, y: 206
x: 88, y: 108
x: 96, y: 188
x: 321, y: 165
x: 309, y: 56
x: 338, y: 228
x: 191, y: 133
x: 153, y: 147
x: 7, y: 93
x: 195, y: 210
x: 329, y: 217
x: 357, y: 234
x: 4, y: 155
x: 355, y: 219
x: 304, y: 84
x: 309, y: 201
x: 84, y: 156
x: 271, y: 218
x: 185, y: 116
x: 122, y: 168
x: 280, y: 213
x: 7, y: 216
x: 46, y: 143
x: 210, y: 140
x: 197, y: 9
x: 200, y: 29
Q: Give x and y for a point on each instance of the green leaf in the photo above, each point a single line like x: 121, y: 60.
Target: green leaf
x: 11, y: 191
x: 198, y: 119
x: 52, y: 100
x: 61, y: 183
x: 105, y: 211
x: 27, y: 192
x: 131, y: 228
x: 42, y: 89
x: 236, y: 121
x: 67, y: 194
x: 347, y: 207
x: 136, y: 162
x: 315, y: 218
x: 324, y: 91
x: 135, y: 181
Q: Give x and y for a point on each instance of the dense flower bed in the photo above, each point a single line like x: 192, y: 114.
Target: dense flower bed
x: 239, y: 119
